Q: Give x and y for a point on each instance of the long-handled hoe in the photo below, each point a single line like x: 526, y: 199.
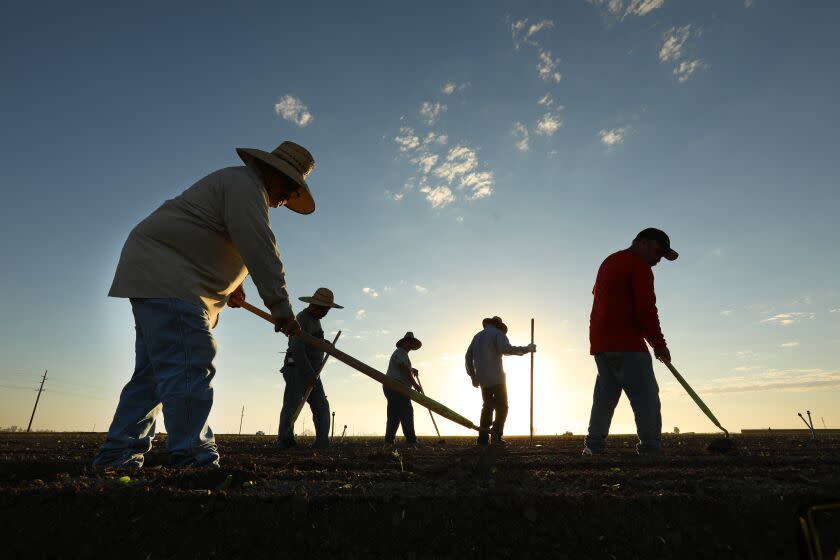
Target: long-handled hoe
x: 362, y: 367
x: 432, y: 416
x: 720, y: 445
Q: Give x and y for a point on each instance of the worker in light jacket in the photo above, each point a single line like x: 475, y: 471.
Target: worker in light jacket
x: 179, y: 268
x: 483, y: 362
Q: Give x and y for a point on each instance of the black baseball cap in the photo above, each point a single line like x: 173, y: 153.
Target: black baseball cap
x: 658, y: 235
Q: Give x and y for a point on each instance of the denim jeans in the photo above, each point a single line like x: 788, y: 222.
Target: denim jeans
x: 400, y: 411
x: 632, y: 372
x: 174, y: 352
x: 495, y: 401
x: 318, y: 403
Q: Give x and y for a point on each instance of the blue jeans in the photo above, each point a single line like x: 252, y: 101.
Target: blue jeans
x: 632, y: 372
x: 400, y: 411
x: 295, y: 387
x: 174, y: 352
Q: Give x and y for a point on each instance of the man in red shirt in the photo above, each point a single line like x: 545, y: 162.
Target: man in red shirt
x: 624, y: 316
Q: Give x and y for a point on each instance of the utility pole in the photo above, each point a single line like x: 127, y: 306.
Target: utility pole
x: 241, y: 417
x: 29, y: 427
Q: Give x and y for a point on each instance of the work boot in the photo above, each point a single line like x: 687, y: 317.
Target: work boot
x: 500, y: 442
x: 282, y: 444
x: 588, y: 452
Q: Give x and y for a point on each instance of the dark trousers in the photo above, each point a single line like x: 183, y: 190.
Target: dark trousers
x: 400, y: 411
x: 495, y: 400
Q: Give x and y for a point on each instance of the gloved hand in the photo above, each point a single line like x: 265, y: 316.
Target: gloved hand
x: 531, y: 347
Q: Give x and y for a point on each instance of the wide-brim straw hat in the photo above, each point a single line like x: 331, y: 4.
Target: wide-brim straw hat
x: 322, y: 297
x: 295, y: 162
x: 409, y: 338
x: 497, y: 321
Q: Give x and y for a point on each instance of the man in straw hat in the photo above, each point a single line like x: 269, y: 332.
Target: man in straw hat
x: 179, y: 267
x: 624, y: 316
x: 484, y: 366
x: 301, y: 365
x: 400, y: 410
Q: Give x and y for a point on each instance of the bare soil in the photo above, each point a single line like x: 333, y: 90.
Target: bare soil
x: 450, y: 500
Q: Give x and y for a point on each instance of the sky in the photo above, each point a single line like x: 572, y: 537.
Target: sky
x: 472, y: 159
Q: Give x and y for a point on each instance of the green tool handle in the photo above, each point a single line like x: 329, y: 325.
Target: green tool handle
x: 694, y: 396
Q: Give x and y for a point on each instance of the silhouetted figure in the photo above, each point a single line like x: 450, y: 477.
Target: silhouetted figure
x: 400, y: 410
x: 624, y: 316
x: 179, y: 267
x: 483, y: 362
x: 301, y: 365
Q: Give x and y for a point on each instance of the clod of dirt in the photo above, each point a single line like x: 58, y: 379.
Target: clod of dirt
x: 722, y: 445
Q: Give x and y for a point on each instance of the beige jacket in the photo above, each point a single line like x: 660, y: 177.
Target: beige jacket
x: 200, y: 245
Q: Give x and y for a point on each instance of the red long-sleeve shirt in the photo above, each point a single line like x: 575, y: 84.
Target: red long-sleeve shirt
x: 624, y: 311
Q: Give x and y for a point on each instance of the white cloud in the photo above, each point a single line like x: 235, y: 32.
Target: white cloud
x: 519, y: 37
x: 292, y: 109
x: 785, y: 319
x: 420, y: 289
x: 431, y: 111
x: 451, y: 87
x: 432, y: 138
x: 748, y: 3
x: 836, y: 310
x: 674, y: 39
x: 727, y: 312
x: 407, y: 140
x: 426, y: 162
x: 791, y: 344
x: 686, y: 68
x: 480, y: 184
x: 798, y: 380
x: 360, y: 314
x: 459, y: 161
x: 547, y: 67
x: 716, y: 252
x: 520, y: 132
x: 613, y: 137
x: 371, y: 292
x: 546, y: 100
x: 643, y: 7
x: 548, y: 124
x: 438, y: 197
x: 634, y: 7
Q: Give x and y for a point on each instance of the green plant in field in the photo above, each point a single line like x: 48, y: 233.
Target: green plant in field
x: 397, y: 454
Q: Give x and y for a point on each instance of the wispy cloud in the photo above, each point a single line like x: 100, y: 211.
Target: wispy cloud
x: 727, y: 312
x: 371, y: 292
x: 547, y: 67
x: 643, y: 7
x: 524, y: 33
x: 673, y: 41
x: 785, y: 319
x: 420, y: 289
x: 451, y: 87
x: 520, y: 132
x: 548, y: 124
x: 433, y: 138
x: 791, y: 344
x: 613, y: 137
x: 459, y: 161
x: 361, y: 314
x: 686, y: 68
x: 407, y: 140
x: 292, y: 109
x: 431, y: 111
x: 400, y: 194
x: 546, y: 100
x: 835, y: 310
x: 426, y: 162
x: 480, y: 184
x: 438, y: 196
x: 788, y: 380
x: 633, y: 7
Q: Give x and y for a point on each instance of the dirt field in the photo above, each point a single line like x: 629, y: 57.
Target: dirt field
x: 362, y: 499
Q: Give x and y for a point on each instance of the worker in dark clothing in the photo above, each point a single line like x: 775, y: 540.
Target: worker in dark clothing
x: 624, y: 316
x: 301, y: 366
